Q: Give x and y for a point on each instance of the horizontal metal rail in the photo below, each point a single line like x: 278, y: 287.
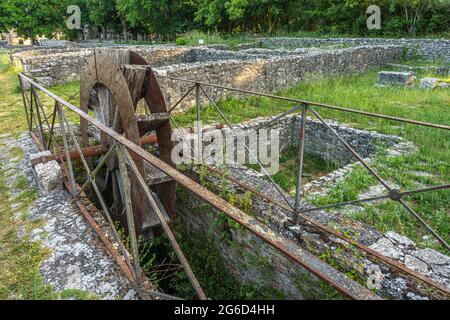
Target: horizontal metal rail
x: 323, y: 105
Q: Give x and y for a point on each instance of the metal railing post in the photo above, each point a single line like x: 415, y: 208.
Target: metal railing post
x: 66, y: 148
x: 38, y: 114
x: 129, y: 211
x: 25, y: 104
x: 199, y: 154
x: 52, y: 129
x: 301, y: 149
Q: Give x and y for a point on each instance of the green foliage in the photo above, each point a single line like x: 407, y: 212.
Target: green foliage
x: 166, y: 17
x: 173, y: 17
x: 31, y: 18
x: 181, y: 41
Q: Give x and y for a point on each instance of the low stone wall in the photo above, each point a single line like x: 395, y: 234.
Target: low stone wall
x: 57, y: 65
x: 271, y: 74
x: 56, y: 68
x: 255, y: 69
x: 426, y: 48
x: 319, y: 141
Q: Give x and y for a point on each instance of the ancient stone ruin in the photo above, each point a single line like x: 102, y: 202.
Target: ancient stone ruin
x: 264, y: 234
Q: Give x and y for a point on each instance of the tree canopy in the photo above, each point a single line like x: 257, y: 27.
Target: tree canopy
x: 170, y: 17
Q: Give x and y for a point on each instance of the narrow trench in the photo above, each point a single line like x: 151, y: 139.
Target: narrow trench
x: 161, y: 264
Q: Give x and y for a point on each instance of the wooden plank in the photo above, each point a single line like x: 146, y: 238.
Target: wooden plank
x: 154, y: 175
x: 150, y: 122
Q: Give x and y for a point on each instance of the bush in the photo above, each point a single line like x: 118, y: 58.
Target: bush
x: 181, y: 41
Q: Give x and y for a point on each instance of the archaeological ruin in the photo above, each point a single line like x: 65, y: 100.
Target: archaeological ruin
x: 102, y: 159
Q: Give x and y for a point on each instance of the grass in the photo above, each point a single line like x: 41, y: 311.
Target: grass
x: 192, y: 39
x: 12, y: 117
x: 20, y: 258
x: 313, y: 168
x: 355, y: 92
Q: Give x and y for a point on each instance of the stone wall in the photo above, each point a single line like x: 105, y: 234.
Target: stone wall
x: 319, y: 141
x: 255, y: 69
x: 271, y: 74
x: 250, y: 259
x: 62, y: 64
x: 426, y: 48
x: 54, y: 68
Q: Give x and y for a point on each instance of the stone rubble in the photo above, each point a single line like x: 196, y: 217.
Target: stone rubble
x: 49, y: 175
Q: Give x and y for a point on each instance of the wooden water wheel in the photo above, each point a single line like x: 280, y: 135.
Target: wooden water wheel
x: 112, y: 85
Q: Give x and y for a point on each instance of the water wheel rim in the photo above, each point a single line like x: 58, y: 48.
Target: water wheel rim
x: 103, y: 70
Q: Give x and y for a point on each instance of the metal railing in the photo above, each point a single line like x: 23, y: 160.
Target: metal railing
x: 306, y: 106
x: 36, y: 116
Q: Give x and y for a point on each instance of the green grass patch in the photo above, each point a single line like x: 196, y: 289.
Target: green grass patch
x: 193, y: 39
x: 314, y: 167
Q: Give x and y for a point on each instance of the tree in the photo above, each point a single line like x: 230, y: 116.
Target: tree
x: 166, y: 17
x: 104, y: 14
x: 211, y: 14
x: 31, y: 18
x: 413, y: 11
x: 264, y: 14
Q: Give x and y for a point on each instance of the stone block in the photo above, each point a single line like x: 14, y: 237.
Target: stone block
x: 428, y: 83
x: 48, y: 175
x: 391, y: 78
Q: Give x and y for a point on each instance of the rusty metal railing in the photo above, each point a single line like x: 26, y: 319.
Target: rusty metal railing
x: 35, y: 114
x: 299, y: 214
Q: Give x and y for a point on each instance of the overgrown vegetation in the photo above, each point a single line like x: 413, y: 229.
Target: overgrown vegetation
x: 163, y: 269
